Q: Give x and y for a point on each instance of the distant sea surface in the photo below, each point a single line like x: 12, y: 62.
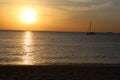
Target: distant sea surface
x: 38, y: 48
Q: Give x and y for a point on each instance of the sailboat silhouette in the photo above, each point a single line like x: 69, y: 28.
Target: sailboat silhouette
x: 90, y: 31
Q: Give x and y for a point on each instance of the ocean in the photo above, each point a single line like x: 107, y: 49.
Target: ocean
x: 38, y: 48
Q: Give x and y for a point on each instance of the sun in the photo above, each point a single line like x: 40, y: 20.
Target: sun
x: 28, y: 15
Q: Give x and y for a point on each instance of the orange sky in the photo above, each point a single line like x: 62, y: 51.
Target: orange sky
x: 61, y: 15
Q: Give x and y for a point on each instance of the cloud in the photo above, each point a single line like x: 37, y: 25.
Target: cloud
x: 68, y: 5
x: 16, y: 2
x: 85, y: 8
x: 77, y: 5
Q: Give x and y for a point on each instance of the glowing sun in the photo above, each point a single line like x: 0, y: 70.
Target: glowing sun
x: 28, y: 16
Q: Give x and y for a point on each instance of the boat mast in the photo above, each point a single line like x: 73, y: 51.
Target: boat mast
x: 90, y: 26
x: 90, y: 30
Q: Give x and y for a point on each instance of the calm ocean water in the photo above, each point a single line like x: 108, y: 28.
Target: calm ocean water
x: 37, y: 48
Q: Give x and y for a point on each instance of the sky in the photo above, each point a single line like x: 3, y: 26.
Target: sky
x: 62, y: 15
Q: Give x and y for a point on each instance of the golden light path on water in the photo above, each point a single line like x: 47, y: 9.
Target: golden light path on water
x: 28, y: 56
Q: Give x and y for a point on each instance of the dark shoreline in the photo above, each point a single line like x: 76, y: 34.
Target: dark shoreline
x: 60, y: 72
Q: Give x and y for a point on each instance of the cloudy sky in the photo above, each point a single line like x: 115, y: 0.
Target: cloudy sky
x: 63, y: 15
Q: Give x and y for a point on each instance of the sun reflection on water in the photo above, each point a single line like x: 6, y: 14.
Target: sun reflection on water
x: 28, y: 56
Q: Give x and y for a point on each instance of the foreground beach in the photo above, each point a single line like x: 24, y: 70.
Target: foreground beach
x: 60, y: 72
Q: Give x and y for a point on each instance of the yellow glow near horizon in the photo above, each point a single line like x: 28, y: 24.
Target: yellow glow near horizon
x: 28, y: 16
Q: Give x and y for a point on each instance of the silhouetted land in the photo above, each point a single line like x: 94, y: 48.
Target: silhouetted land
x: 60, y: 72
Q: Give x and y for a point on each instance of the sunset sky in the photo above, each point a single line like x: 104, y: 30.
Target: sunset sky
x: 60, y: 15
